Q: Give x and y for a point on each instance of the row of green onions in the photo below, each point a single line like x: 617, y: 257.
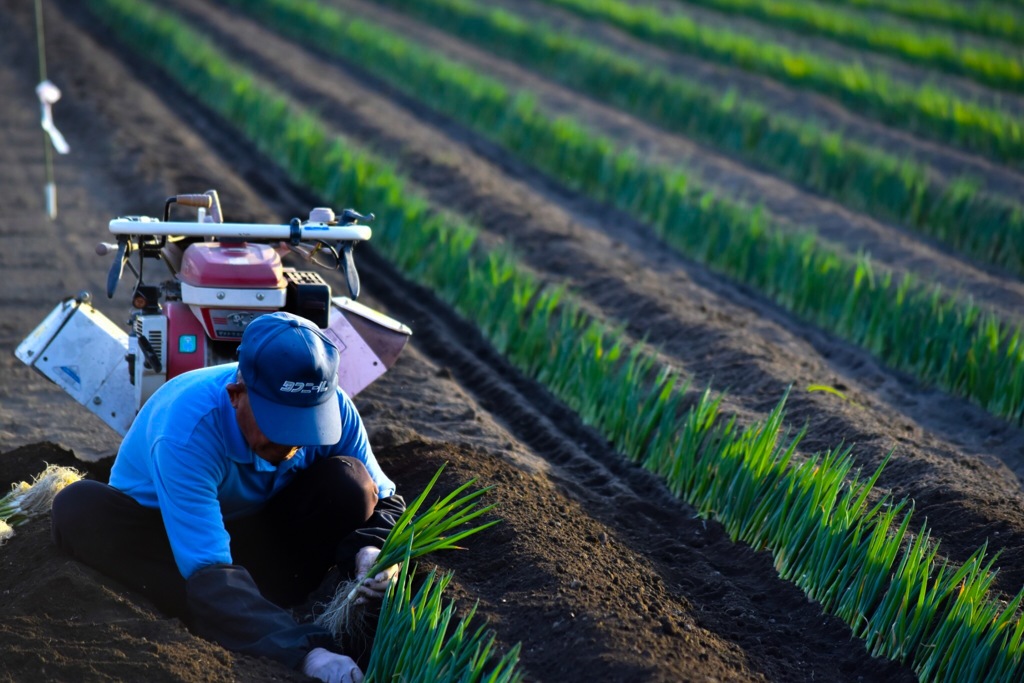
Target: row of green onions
x: 860, y: 175
x: 928, y: 109
x: 965, y: 350
x: 813, y: 516
x: 984, y: 17
x: 932, y: 48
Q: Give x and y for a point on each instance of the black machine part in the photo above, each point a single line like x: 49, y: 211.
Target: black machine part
x: 309, y: 296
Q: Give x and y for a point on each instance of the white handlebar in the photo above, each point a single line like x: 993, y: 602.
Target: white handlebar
x: 244, y: 231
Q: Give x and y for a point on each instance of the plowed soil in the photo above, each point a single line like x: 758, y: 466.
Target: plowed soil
x: 595, y: 568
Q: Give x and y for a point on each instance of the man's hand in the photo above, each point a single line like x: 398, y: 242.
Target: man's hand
x: 372, y: 587
x: 331, y: 667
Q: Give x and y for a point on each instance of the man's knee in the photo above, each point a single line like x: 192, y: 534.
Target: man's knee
x: 350, y: 482
x: 71, y: 512
x: 335, y: 493
x: 360, y: 485
x: 90, y: 519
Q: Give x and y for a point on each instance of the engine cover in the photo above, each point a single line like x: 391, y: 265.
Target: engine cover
x: 228, y: 284
x: 231, y: 265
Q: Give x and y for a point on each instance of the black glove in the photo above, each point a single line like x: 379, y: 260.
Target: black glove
x: 373, y: 532
x: 227, y: 608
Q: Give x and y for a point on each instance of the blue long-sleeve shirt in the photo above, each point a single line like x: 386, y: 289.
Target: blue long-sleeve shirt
x: 185, y: 455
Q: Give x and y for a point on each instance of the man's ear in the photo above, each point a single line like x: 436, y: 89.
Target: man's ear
x: 235, y: 392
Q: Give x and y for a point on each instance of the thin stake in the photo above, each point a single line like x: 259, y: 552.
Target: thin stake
x: 51, y: 185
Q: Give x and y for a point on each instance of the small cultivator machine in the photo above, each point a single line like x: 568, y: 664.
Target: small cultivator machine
x: 213, y: 279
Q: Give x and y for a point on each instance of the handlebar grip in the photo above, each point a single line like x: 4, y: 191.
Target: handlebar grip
x: 199, y: 201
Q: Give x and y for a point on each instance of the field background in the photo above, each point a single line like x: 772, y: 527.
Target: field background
x: 596, y: 569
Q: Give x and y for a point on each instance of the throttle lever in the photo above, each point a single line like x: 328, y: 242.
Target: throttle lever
x: 348, y: 266
x: 353, y: 216
x: 117, y: 267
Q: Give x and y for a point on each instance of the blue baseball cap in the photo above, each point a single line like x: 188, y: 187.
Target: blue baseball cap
x: 290, y: 370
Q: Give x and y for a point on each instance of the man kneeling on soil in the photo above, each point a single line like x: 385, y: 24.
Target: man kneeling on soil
x: 214, y: 518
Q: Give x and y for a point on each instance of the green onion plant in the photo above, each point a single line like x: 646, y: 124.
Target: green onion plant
x: 27, y: 500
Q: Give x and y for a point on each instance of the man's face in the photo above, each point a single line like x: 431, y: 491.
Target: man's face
x: 263, y: 447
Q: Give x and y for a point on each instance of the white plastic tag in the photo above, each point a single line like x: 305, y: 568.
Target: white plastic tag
x: 48, y: 93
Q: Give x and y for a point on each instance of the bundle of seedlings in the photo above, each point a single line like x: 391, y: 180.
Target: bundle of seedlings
x: 26, y: 501
x: 413, y: 536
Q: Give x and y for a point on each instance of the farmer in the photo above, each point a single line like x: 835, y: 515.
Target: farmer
x: 235, y: 492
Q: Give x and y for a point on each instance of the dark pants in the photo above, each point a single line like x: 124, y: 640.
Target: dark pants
x: 288, y: 546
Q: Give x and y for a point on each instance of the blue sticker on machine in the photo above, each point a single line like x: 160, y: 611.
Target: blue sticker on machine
x: 72, y: 372
x: 187, y: 343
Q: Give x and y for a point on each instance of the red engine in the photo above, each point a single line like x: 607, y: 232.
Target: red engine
x: 228, y: 284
